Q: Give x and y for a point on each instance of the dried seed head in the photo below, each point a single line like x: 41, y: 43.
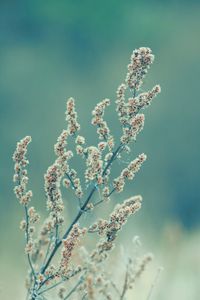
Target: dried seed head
x: 71, y: 117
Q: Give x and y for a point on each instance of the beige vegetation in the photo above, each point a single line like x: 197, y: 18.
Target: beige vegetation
x: 53, y: 252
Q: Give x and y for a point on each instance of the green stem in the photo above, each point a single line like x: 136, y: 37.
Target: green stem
x: 81, y: 211
x: 48, y: 249
x: 51, y: 287
x: 73, y: 289
x: 125, y: 285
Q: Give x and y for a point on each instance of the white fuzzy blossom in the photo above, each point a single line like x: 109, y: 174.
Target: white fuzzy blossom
x: 68, y: 247
x: 20, y: 176
x: 109, y: 229
x: 71, y: 117
x: 53, y: 178
x: 130, y: 132
x: 129, y: 172
x: 141, y: 59
x: 102, y: 127
x: 94, y: 164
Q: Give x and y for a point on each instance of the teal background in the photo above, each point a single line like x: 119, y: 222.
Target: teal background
x: 51, y: 50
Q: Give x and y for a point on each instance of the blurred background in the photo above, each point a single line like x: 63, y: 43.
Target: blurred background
x: 51, y: 50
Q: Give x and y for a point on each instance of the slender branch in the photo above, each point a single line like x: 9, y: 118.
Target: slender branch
x: 71, y: 181
x: 51, y: 287
x: 46, y: 280
x: 159, y: 270
x: 58, y: 283
x: 125, y: 284
x: 73, y: 289
x: 112, y: 158
x: 100, y: 201
x: 47, y: 251
x: 57, y: 233
x: 115, y: 287
x: 111, y: 192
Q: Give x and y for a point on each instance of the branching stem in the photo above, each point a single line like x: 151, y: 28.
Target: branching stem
x: 80, y: 212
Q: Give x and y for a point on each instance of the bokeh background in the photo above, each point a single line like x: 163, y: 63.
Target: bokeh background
x: 51, y: 50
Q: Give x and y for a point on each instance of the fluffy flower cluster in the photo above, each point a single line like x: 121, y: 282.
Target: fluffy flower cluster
x: 68, y: 246
x: 97, y: 282
x: 130, y: 132
x: 94, y: 164
x: 80, y: 141
x: 131, y: 121
x: 135, y: 269
x: 145, y: 99
x: 117, y: 218
x: 54, y: 176
x: 54, y: 197
x: 96, y: 287
x: 20, y: 176
x: 98, y: 120
x: 94, y: 284
x: 103, y: 129
x: 121, y: 106
x: 109, y: 229
x: 71, y: 117
x: 24, y: 196
x: 73, y: 181
x: 128, y: 110
x: 129, y: 172
x: 141, y: 59
x: 33, y: 218
x: 60, y: 146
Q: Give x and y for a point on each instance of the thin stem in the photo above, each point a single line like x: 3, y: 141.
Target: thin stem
x: 115, y: 287
x: 73, y: 187
x: 111, y: 192
x: 57, y: 233
x: 112, y: 158
x: 46, y: 280
x: 58, y: 283
x: 97, y: 203
x: 154, y: 283
x: 125, y: 284
x: 71, y: 181
x: 73, y: 289
x: 48, y: 249
x: 100, y: 201
x: 51, y: 287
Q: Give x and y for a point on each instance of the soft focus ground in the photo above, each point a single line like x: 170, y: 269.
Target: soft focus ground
x: 52, y: 50
x: 175, y: 250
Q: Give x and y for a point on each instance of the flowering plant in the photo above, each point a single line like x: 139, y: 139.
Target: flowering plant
x: 53, y: 242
